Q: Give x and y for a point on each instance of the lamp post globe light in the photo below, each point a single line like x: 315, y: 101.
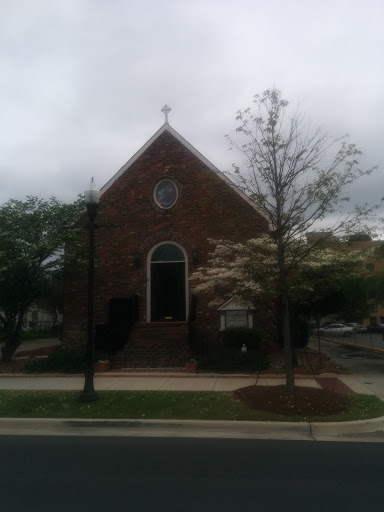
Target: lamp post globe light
x: 92, y: 196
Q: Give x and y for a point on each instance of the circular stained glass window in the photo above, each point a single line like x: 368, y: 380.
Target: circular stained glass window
x: 166, y: 194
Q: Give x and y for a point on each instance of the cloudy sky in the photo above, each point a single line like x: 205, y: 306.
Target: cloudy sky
x: 82, y: 82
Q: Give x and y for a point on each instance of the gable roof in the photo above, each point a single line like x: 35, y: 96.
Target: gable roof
x: 234, y: 304
x: 194, y: 151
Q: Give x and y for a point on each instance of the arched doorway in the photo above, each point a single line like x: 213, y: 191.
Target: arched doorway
x: 167, y: 283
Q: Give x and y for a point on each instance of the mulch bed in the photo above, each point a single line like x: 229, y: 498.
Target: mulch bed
x: 24, y: 356
x: 15, y: 366
x: 304, y: 401
x: 309, y: 363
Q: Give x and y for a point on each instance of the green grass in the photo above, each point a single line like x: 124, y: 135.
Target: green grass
x: 161, y: 405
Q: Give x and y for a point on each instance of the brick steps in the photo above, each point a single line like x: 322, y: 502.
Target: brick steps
x: 155, y: 345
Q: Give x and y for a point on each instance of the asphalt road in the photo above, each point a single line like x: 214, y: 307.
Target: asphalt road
x: 157, y: 474
x: 367, y: 339
x: 354, y: 360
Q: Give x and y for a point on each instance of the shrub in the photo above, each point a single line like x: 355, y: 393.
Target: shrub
x: 62, y: 361
x: 231, y: 359
x: 300, y: 331
x: 236, y: 337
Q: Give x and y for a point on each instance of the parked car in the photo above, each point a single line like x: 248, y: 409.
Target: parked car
x: 375, y: 328
x: 340, y: 329
x: 357, y: 327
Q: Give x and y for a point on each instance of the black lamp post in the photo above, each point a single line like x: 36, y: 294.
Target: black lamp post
x: 92, y: 203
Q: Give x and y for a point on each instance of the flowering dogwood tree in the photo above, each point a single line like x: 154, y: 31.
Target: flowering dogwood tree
x: 297, y: 176
x: 249, y: 272
x: 246, y: 271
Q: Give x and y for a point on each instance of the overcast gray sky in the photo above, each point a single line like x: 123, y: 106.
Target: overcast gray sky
x: 82, y: 82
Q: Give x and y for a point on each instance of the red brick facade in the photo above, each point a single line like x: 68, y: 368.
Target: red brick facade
x: 131, y: 224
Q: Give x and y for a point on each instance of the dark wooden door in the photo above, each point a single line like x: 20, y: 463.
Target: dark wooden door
x: 168, y: 291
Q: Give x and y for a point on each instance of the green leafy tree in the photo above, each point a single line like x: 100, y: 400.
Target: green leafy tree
x: 375, y: 287
x: 359, y: 237
x: 297, y: 176
x: 33, y: 234
x: 354, y: 300
x: 51, y: 299
x: 337, y: 286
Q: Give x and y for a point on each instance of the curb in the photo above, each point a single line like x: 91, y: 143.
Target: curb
x: 305, y: 431
x: 370, y: 426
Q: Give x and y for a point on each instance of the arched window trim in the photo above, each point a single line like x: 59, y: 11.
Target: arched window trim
x: 167, y: 261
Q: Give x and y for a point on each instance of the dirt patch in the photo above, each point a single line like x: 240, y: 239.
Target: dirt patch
x: 304, y: 401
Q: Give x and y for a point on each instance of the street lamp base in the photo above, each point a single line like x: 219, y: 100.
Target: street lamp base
x: 89, y: 394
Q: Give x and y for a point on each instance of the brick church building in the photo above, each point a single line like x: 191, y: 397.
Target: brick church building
x: 154, y: 220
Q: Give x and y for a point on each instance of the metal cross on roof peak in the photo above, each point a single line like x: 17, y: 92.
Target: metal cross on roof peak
x: 166, y: 111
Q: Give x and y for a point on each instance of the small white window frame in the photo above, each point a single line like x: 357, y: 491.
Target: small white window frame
x: 155, y: 191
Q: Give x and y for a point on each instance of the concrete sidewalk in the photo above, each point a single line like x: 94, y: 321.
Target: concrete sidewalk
x: 369, y: 385
x: 142, y: 382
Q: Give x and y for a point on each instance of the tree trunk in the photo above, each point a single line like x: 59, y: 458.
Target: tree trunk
x: 7, y: 351
x: 13, y: 340
x: 288, y: 352
x: 285, y: 319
